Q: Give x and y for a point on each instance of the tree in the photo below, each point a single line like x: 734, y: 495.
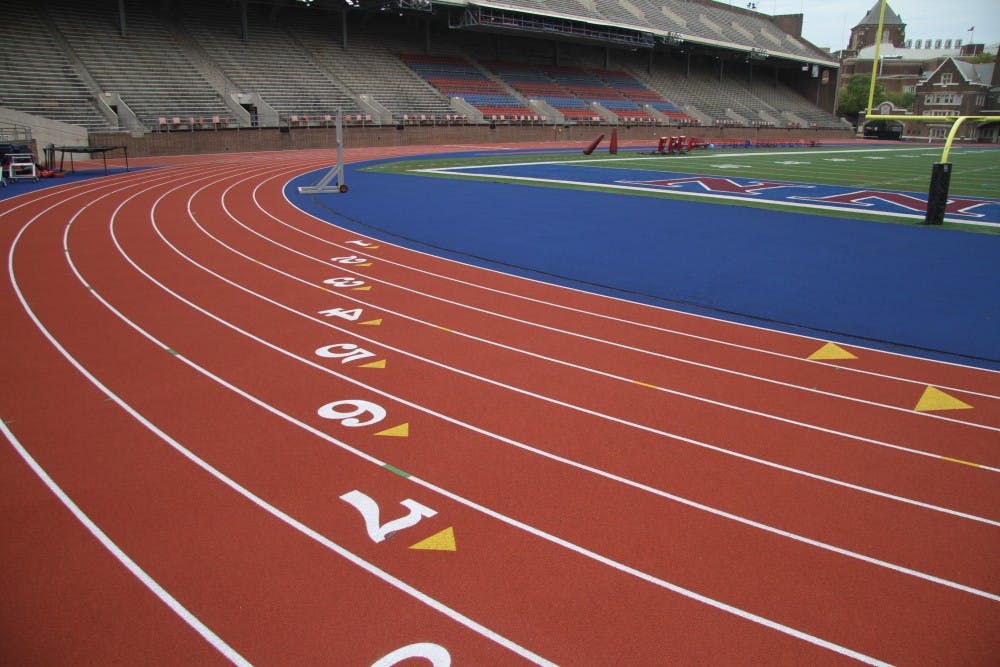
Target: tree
x: 902, y: 100
x: 984, y: 57
x: 854, y: 95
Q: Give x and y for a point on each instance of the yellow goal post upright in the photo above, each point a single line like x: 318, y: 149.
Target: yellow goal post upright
x: 937, y: 191
x: 324, y: 185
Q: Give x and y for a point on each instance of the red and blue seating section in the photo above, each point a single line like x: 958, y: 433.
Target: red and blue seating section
x: 458, y: 78
x: 569, y: 90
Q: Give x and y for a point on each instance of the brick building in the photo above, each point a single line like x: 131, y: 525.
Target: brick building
x: 959, y: 88
x: 899, y: 69
x: 943, y: 84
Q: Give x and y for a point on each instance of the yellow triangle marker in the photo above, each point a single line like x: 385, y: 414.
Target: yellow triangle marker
x: 375, y: 364
x: 365, y: 264
x: 366, y: 288
x: 372, y: 323
x: 443, y: 541
x: 934, y: 399
x: 831, y: 351
x: 401, y: 431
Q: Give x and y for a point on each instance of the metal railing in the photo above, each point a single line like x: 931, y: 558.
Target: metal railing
x: 14, y: 133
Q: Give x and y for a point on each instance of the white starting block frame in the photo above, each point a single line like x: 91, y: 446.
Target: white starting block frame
x: 21, y: 166
x: 323, y: 186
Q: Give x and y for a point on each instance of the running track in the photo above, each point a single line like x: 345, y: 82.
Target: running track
x: 240, y: 433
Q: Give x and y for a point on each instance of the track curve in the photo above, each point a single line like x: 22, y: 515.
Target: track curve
x: 276, y: 440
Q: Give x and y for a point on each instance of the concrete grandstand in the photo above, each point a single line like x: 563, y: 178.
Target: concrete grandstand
x: 125, y: 72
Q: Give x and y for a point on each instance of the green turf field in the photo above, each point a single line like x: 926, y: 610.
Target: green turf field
x: 906, y: 167
x: 975, y: 172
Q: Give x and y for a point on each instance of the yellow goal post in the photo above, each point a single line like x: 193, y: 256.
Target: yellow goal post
x: 937, y: 191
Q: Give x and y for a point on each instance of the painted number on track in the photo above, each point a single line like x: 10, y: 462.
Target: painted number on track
x: 347, y: 412
x: 369, y: 510
x: 344, y: 281
x: 344, y: 351
x: 436, y: 654
x: 350, y: 259
x: 350, y: 314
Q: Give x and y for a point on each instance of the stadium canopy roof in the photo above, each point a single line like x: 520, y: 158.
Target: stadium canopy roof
x: 672, y: 22
x: 635, y: 23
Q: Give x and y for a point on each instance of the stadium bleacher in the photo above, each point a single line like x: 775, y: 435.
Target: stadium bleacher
x: 156, y: 79
x: 49, y: 87
x: 571, y: 91
x: 269, y: 63
x: 194, y: 67
x: 457, y: 78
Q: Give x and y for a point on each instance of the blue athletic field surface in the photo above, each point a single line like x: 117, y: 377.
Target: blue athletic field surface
x: 24, y: 186
x: 908, y: 288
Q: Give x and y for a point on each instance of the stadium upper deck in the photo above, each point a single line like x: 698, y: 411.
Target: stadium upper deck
x: 698, y: 21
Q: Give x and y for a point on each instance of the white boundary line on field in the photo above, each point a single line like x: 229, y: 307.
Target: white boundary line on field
x: 465, y: 170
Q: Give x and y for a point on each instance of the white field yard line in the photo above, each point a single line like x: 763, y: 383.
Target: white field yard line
x: 712, y: 156
x: 464, y: 171
x: 705, y: 195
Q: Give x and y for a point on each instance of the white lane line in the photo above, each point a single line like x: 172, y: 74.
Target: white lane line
x: 561, y: 403
x: 60, y: 192
x: 92, y: 185
x: 217, y: 474
x: 845, y: 369
x: 171, y: 602
x: 637, y: 303
x: 367, y: 566
x: 272, y: 510
x: 165, y: 597
x: 367, y: 276
x: 475, y: 429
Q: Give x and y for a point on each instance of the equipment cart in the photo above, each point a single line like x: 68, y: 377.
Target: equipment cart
x: 21, y: 165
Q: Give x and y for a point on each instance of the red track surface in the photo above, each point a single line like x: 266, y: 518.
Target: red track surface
x: 624, y: 484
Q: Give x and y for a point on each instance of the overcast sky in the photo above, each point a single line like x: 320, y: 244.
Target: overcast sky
x: 828, y: 23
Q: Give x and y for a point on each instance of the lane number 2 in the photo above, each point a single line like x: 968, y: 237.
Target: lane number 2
x: 369, y: 510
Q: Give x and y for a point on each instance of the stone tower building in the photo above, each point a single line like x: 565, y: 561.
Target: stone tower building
x: 863, y: 34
